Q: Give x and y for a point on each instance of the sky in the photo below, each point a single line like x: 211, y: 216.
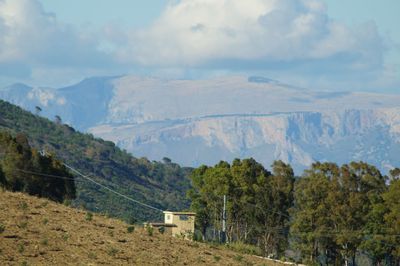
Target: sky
x: 318, y: 44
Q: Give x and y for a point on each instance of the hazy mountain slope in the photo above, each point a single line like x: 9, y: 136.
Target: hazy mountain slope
x: 83, y: 104
x: 40, y: 232
x: 132, y: 99
x: 203, y: 121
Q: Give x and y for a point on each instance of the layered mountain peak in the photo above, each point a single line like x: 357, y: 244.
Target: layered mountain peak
x: 203, y: 121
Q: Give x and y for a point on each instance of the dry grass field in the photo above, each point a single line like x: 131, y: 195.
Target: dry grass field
x: 37, y: 231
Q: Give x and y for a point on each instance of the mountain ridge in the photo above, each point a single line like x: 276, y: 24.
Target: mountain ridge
x: 155, y: 117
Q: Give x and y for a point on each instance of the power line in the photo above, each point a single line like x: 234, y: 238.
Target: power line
x: 46, y: 175
x: 87, y: 178
x: 107, y: 188
x: 111, y: 190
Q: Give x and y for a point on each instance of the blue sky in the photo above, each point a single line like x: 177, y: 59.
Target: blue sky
x: 320, y: 44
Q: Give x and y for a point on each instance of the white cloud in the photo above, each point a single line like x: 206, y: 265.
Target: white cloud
x: 33, y: 38
x: 198, y: 33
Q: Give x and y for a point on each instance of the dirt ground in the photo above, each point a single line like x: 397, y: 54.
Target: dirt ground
x: 37, y: 231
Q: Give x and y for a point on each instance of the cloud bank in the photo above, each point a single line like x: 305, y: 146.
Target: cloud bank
x: 286, y: 38
x: 32, y: 40
x: 203, y: 32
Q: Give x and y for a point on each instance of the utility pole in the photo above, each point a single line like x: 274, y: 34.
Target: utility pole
x: 223, y: 235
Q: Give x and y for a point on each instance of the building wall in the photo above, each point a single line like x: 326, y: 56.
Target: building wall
x: 184, y: 225
x: 168, y: 218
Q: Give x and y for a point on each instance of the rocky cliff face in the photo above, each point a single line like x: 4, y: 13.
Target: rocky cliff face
x: 202, y: 122
x: 299, y: 138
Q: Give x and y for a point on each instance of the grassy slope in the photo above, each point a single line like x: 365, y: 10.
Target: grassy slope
x: 162, y: 185
x: 41, y: 232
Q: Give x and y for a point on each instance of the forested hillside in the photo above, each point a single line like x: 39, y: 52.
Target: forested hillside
x: 160, y: 184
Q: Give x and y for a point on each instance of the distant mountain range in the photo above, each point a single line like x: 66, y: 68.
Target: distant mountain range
x: 197, y: 122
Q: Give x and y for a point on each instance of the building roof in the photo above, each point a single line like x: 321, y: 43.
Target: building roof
x: 180, y: 213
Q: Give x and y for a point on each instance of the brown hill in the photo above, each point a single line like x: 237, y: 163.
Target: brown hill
x: 36, y: 231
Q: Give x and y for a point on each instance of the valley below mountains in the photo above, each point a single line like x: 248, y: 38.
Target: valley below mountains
x: 196, y: 122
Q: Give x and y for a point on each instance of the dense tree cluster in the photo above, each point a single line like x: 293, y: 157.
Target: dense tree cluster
x: 339, y: 211
x: 25, y: 169
x: 257, y: 201
x: 330, y: 214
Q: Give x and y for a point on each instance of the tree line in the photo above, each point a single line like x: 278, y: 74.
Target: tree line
x: 328, y: 215
x: 24, y: 169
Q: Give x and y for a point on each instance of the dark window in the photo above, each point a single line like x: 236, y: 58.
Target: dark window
x: 183, y: 217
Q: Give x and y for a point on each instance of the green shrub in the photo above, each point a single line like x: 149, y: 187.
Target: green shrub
x: 190, y: 235
x: 92, y: 256
x: 44, y: 242
x: 149, y: 230
x: 89, y: 216
x: 23, y: 206
x: 67, y: 202
x: 130, y: 229
x: 112, y: 251
x: 2, y: 228
x: 245, y: 248
x: 65, y: 237
x: 23, y: 225
x: 217, y: 258
x: 45, y: 221
x: 21, y: 247
x: 238, y: 257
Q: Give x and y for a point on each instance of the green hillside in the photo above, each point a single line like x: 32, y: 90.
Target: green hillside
x: 159, y: 184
